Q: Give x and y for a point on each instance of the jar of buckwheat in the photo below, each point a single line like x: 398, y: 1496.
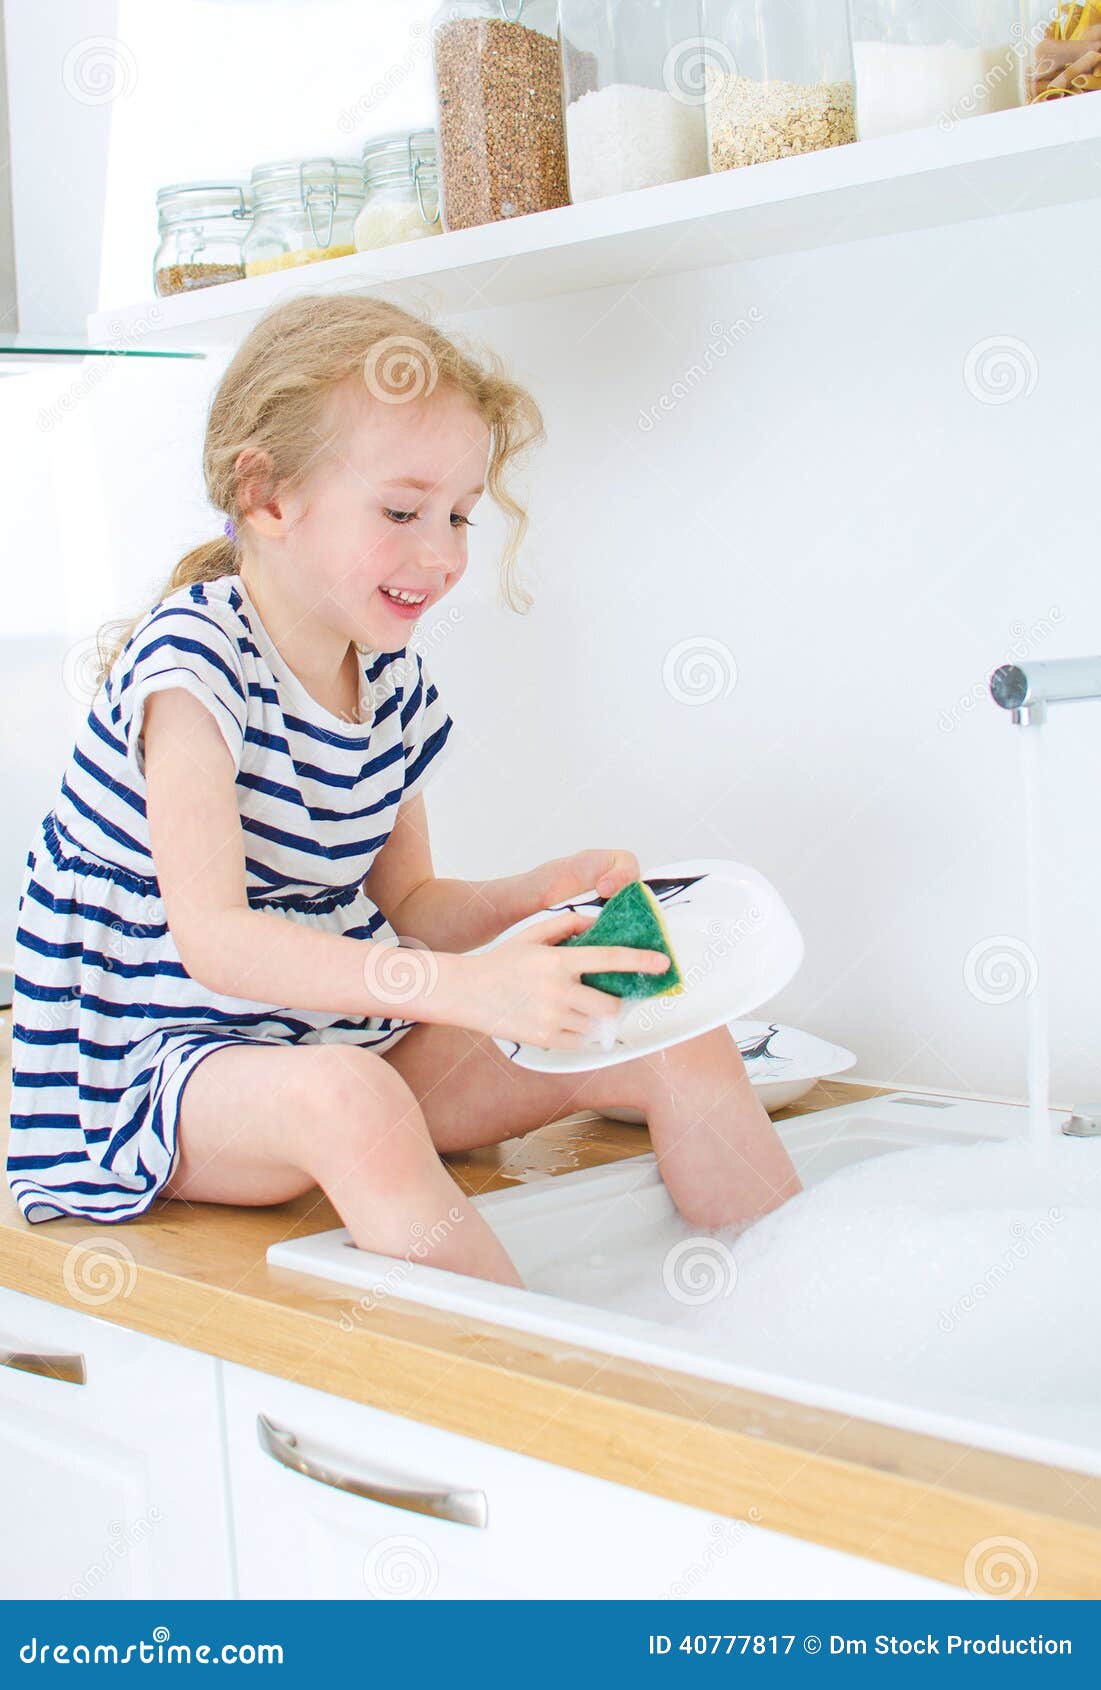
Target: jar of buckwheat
x: 498, y: 81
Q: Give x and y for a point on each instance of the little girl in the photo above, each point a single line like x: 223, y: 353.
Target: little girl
x: 238, y: 976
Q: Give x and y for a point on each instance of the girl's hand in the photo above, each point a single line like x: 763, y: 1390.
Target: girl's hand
x: 564, y: 878
x: 530, y: 988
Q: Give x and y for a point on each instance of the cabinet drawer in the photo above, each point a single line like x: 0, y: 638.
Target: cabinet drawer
x: 110, y: 1459
x: 307, y: 1476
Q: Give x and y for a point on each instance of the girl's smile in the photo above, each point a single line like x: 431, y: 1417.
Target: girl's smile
x: 407, y: 608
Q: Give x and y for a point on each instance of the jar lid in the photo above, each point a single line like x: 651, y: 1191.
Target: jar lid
x: 183, y: 200
x: 399, y: 156
x: 302, y: 181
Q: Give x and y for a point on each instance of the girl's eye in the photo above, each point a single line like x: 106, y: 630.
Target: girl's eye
x: 400, y: 516
x: 460, y: 521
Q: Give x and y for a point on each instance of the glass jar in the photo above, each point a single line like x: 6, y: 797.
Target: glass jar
x: 498, y: 79
x: 303, y: 210
x: 918, y: 63
x: 634, y: 94
x: 779, y: 79
x: 201, y: 228
x: 401, y: 184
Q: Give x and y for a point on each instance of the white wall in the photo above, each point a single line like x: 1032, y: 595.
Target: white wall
x: 868, y: 538
x: 840, y: 505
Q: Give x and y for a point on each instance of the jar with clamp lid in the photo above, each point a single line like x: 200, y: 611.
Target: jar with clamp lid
x: 498, y: 81
x: 304, y: 210
x: 401, y: 186
x: 202, y: 228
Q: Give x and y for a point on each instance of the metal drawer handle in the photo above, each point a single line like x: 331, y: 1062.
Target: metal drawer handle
x: 463, y: 1507
x: 69, y: 1369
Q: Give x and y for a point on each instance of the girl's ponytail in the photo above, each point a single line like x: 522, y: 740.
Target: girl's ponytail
x: 208, y: 562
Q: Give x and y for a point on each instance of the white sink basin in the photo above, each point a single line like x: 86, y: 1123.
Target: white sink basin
x: 591, y: 1247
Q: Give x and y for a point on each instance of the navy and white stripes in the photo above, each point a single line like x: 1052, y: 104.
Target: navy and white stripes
x: 107, y: 1024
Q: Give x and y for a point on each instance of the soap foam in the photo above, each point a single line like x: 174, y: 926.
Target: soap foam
x: 940, y: 1275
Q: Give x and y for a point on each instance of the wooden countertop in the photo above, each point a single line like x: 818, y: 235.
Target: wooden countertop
x: 201, y: 1279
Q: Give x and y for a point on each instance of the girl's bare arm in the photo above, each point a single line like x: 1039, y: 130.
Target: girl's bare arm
x: 529, y: 988
x: 445, y: 915
x: 198, y: 847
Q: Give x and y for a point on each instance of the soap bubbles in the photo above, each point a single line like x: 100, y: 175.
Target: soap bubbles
x: 400, y: 367
x: 98, y: 70
x: 1000, y: 369
x: 698, y: 1271
x: 99, y: 1273
x: 1000, y: 969
x: 397, y: 973
x: 402, y: 1567
x: 1001, y: 1566
x: 689, y: 65
x: 699, y: 670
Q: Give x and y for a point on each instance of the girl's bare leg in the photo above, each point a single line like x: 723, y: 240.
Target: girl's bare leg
x: 264, y: 1125
x: 719, y: 1153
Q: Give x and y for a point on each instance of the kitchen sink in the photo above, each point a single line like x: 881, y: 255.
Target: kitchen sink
x: 592, y: 1247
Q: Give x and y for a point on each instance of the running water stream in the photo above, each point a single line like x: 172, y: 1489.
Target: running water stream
x: 1039, y: 1053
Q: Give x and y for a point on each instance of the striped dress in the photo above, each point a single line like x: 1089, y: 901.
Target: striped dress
x: 107, y: 1025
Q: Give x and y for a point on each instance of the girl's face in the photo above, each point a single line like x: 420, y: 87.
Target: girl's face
x: 388, y: 507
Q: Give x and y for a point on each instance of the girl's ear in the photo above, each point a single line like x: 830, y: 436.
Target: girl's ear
x: 256, y: 491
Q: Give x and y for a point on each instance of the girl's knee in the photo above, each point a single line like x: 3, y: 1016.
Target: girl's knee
x: 349, y: 1082
x: 358, y: 1106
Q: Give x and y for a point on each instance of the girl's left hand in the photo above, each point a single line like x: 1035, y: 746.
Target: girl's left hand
x: 565, y: 877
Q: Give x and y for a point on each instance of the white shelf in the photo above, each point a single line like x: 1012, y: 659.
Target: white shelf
x: 983, y: 167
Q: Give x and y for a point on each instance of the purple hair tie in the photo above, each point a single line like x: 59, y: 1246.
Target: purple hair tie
x: 229, y: 530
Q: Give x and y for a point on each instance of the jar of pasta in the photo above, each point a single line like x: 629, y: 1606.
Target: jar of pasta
x: 202, y: 227
x: 401, y: 185
x: 304, y: 210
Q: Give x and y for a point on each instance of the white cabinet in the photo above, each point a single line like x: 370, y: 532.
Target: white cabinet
x: 116, y: 1473
x: 113, y: 1487
x: 320, y: 1527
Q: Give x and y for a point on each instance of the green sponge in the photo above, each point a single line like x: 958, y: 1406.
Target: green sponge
x: 632, y: 917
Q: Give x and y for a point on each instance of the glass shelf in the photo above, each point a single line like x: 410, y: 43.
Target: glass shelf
x: 22, y: 351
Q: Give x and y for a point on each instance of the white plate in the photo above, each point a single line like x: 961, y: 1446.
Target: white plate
x: 736, y: 943
x: 782, y: 1063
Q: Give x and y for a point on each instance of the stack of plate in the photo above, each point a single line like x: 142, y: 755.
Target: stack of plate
x: 782, y: 1063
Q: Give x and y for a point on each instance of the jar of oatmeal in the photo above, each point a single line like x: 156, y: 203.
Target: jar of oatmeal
x: 779, y: 79
x: 303, y: 210
x: 401, y: 185
x: 202, y: 227
x: 919, y: 64
x: 498, y: 83
x: 633, y: 72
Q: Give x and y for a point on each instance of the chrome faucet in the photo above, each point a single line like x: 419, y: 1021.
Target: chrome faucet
x: 1028, y: 688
